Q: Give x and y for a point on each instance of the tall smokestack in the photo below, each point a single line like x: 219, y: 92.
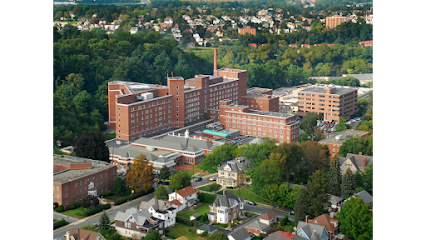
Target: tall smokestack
x: 215, y: 60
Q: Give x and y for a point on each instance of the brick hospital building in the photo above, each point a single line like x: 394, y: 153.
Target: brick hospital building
x: 138, y: 109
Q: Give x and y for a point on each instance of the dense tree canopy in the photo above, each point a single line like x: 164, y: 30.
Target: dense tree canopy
x: 356, y: 145
x: 92, y: 145
x: 140, y: 176
x: 356, y: 219
x: 180, y: 180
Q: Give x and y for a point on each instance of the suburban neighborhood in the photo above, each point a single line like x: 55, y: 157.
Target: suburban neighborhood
x: 217, y: 120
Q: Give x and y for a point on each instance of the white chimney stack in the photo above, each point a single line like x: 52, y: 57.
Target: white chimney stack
x: 187, y: 133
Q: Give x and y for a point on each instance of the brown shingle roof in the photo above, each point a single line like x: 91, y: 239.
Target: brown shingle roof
x: 80, y: 233
x: 175, y: 202
x: 268, y: 216
x: 186, y: 191
x: 326, y: 221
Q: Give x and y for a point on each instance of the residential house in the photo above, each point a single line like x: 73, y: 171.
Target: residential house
x: 185, y: 197
x: 311, y: 231
x: 132, y: 221
x: 80, y: 233
x: 226, y: 208
x: 194, y: 216
x: 210, y: 229
x: 366, y: 43
x: 133, y: 30
x: 231, y: 174
x: 240, y: 234
x: 355, y: 162
x: 330, y: 224
x: 365, y: 196
x: 335, y: 201
x: 268, y: 219
x: 160, y: 209
x: 257, y: 227
x: 168, y: 21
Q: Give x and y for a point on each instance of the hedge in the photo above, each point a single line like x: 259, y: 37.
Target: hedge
x: 59, y: 224
x: 71, y: 207
x: 97, y: 209
x: 60, y: 209
x: 187, y: 222
x: 135, y: 195
x: 206, y: 198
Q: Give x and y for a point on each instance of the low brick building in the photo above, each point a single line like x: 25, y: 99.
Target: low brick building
x: 73, y: 175
x: 335, y: 142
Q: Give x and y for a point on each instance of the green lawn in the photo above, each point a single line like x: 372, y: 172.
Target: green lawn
x: 248, y: 195
x: 201, y: 210
x: 206, y: 188
x: 77, y: 213
x: 180, y: 230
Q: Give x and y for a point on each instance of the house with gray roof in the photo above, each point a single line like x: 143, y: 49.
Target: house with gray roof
x: 311, y: 231
x: 226, y: 208
x: 160, y: 209
x: 231, y: 174
x: 257, y: 227
x: 205, y: 227
x: 240, y: 234
x: 133, y: 221
x: 355, y: 162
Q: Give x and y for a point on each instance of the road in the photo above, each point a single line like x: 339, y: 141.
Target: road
x: 205, y: 180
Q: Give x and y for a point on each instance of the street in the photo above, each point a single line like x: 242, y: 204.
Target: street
x: 205, y: 180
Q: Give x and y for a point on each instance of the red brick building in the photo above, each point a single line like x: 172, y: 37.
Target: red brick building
x: 335, y: 142
x: 261, y: 99
x: 279, y: 126
x: 72, y: 176
x: 247, y: 30
x: 334, y: 21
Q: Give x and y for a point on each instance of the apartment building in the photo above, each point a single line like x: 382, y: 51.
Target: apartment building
x: 74, y: 176
x: 279, y: 126
x: 247, y: 30
x: 137, y: 109
x: 331, y: 102
x: 334, y: 21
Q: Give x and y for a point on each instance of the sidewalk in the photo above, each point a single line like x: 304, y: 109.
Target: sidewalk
x: 98, y: 214
x: 65, y: 217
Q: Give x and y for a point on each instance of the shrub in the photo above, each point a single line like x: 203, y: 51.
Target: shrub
x: 97, y: 209
x: 204, y: 234
x: 185, y: 221
x: 77, y: 204
x: 135, y: 195
x: 206, y: 198
x: 71, y: 207
x: 214, y: 187
x: 55, y: 205
x: 60, y: 208
x: 284, y: 221
x: 59, y: 223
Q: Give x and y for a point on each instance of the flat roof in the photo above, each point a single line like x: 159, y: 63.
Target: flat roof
x: 273, y: 114
x: 346, y: 134
x: 339, y: 91
x: 69, y: 175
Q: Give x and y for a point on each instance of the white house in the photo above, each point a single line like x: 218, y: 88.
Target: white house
x: 226, y: 208
x: 161, y: 210
x: 183, y: 198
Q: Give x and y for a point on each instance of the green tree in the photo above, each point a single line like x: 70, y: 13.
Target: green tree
x: 290, y: 200
x: 220, y: 154
x: 348, y: 184
x: 153, y: 235
x: 317, y: 187
x: 356, y: 219
x: 291, y: 157
x: 334, y: 176
x: 315, y: 157
x: 92, y: 145
x: 368, y: 179
x: 267, y: 173
x: 301, y: 206
x: 309, y: 124
x: 356, y: 144
x: 256, y: 153
x: 119, y: 186
x: 161, y: 193
x: 164, y: 173
x: 283, y: 193
x: 103, y: 221
x: 180, y: 180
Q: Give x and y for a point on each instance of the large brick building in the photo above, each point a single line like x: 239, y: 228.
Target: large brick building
x: 137, y: 110
x: 72, y: 177
x: 330, y: 102
x: 247, y: 30
x: 334, y: 21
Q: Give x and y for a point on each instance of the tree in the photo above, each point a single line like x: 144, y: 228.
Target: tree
x: 356, y: 219
x: 267, y: 173
x: 334, y: 176
x: 292, y: 155
x: 309, y: 124
x: 91, y: 144
x: 220, y: 154
x: 256, y: 153
x: 180, y: 180
x: 348, y: 184
x: 103, y: 221
x: 368, y: 179
x: 301, y: 207
x: 317, y: 187
x: 153, y: 235
x: 119, y: 186
x: 139, y: 176
x: 161, y: 193
x: 217, y: 235
x: 356, y: 145
x: 164, y: 173
x: 315, y: 157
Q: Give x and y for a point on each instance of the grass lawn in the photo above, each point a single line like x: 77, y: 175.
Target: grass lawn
x: 77, y: 213
x: 182, y: 230
x: 201, y: 210
x: 248, y: 195
x: 206, y: 188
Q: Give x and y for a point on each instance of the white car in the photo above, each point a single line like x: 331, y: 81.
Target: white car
x: 212, y: 178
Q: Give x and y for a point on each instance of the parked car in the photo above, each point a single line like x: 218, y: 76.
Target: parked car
x: 212, y: 178
x: 251, y: 203
x: 291, y: 213
x: 198, y: 179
